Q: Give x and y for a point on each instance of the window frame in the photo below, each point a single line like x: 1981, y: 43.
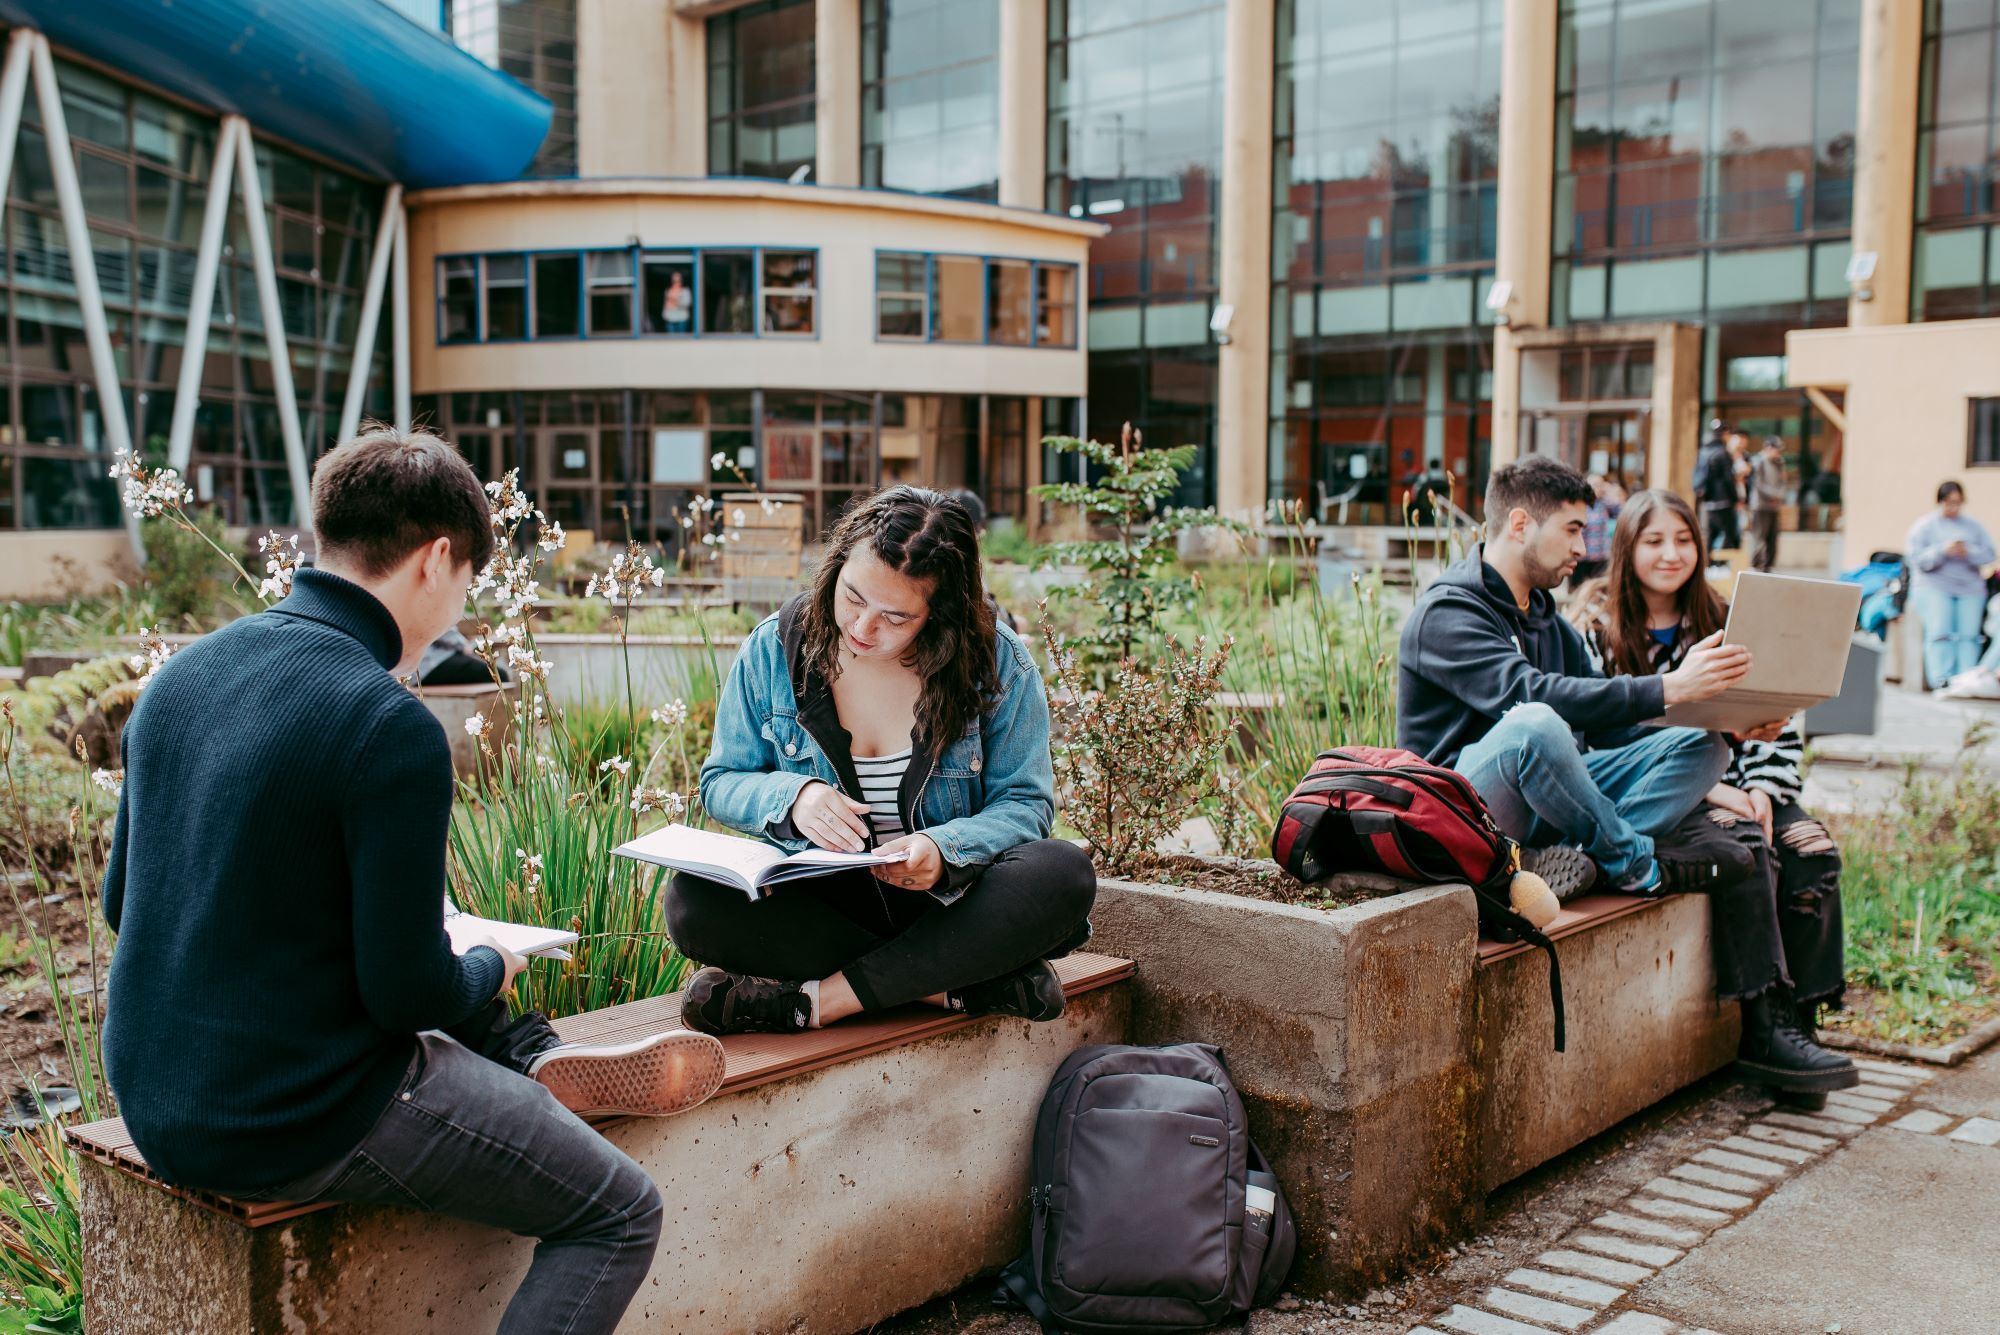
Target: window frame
x: 526, y: 283
x: 765, y: 292
x: 921, y: 294
x: 987, y: 265
x: 591, y: 284
x: 1973, y: 413
x: 478, y: 327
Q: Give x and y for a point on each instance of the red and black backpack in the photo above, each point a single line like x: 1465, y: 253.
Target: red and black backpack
x: 1373, y: 809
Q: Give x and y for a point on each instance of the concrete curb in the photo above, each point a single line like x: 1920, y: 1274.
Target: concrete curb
x: 1950, y: 1054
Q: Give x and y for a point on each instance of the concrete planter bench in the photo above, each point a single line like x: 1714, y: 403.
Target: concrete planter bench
x: 839, y: 1177
x: 591, y: 668
x: 1396, y: 1067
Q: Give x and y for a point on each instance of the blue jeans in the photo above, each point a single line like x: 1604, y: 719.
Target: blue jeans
x: 1612, y: 803
x: 473, y: 1139
x: 1951, y: 631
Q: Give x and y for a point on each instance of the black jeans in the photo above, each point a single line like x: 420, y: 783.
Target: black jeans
x: 1721, y: 527
x: 894, y: 945
x: 468, y: 1138
x: 1777, y: 920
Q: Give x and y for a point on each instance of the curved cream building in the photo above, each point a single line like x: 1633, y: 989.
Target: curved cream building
x: 611, y: 337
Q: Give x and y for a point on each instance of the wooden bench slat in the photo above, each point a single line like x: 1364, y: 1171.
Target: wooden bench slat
x: 750, y: 1060
x: 1582, y: 912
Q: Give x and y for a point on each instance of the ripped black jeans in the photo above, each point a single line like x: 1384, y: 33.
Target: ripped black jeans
x: 1782, y: 922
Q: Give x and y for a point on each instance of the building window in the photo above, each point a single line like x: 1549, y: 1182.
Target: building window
x: 958, y: 296
x: 930, y: 96
x: 761, y: 82
x: 610, y: 306
x: 726, y: 285
x: 506, y: 297
x: 669, y: 292
x: 535, y: 41
x: 558, y: 296
x: 619, y: 293
x: 458, y: 289
x: 1009, y: 297
x: 902, y: 300
x: 1958, y: 121
x: 788, y: 291
x: 1983, y: 437
x: 1055, y: 305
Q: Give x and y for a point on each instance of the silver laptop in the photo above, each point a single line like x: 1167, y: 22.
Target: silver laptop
x: 1798, y: 632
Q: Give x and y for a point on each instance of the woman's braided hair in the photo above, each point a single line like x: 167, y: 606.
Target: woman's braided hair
x: 924, y: 535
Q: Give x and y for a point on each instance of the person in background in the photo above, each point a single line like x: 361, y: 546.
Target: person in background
x: 1777, y: 935
x: 1715, y: 489
x: 677, y: 307
x: 1738, y: 444
x: 1597, y: 529
x: 975, y: 507
x: 1767, y: 502
x: 1947, y: 549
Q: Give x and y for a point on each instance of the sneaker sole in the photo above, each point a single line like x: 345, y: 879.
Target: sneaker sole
x: 1790, y: 1080
x: 655, y: 1076
x: 1568, y: 871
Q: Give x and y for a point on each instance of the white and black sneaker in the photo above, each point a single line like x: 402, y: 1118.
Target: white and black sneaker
x: 1568, y: 871
x: 654, y: 1076
x: 1034, y: 993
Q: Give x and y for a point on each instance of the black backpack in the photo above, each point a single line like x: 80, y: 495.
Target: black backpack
x: 1142, y: 1198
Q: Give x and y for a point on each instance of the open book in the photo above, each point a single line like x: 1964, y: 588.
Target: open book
x: 747, y: 864
x: 466, y: 930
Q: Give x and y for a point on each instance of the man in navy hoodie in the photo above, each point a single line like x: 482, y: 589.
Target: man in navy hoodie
x: 1493, y: 683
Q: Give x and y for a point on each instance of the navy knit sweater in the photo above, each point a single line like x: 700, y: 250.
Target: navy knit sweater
x: 275, y: 879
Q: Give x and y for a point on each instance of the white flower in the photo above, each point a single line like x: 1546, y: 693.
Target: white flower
x: 552, y: 538
x: 736, y: 516
x: 281, y: 563
x: 525, y: 661
x: 111, y: 781
x: 672, y: 714
x: 531, y: 868
x: 154, y: 652
x: 619, y: 763
x: 146, y: 491
x: 510, y: 506
x: 718, y: 460
x: 476, y: 726
x: 658, y: 799
x: 630, y: 573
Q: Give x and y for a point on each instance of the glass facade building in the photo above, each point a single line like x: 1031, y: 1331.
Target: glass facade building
x: 930, y: 96
x: 1704, y: 172
x: 1957, y: 265
x: 535, y: 41
x: 1385, y: 168
x: 1135, y: 143
x: 762, y: 73
x: 144, y: 164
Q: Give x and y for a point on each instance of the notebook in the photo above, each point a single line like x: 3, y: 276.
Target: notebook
x: 467, y: 929
x: 1797, y: 631
x: 750, y: 865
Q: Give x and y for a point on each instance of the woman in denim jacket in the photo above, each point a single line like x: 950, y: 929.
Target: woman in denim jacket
x: 883, y: 709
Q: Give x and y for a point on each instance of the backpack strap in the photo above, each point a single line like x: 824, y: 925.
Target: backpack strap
x: 1017, y: 1290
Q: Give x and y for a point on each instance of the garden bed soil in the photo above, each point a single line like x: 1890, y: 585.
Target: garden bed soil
x: 1867, y: 1023
x: 31, y: 1047
x: 1260, y: 878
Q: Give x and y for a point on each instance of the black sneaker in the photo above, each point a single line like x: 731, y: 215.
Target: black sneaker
x: 1569, y: 871
x: 719, y: 1002
x: 1033, y: 993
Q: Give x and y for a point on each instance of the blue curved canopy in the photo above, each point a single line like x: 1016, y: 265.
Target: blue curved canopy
x: 351, y: 79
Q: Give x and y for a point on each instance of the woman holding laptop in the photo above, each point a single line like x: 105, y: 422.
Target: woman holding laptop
x: 1655, y: 605
x: 884, y: 709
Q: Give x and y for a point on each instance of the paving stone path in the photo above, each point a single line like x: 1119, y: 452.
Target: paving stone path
x: 1580, y: 1284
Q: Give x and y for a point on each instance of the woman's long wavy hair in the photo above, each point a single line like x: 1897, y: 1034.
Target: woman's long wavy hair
x: 926, y: 535
x: 1628, y: 647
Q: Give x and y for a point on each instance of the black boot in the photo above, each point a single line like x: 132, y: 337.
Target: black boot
x: 1782, y: 1056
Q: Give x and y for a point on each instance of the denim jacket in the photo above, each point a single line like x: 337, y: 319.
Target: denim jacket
x: 776, y: 730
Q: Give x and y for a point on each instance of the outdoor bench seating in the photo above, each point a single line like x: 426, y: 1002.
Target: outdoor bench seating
x: 836, y: 1178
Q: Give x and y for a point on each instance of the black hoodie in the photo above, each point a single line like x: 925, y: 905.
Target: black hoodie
x: 1469, y: 654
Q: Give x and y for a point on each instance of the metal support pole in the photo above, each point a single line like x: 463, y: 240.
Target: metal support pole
x: 83, y: 267
x: 201, y: 302
x: 361, y: 363
x: 13, y: 92
x: 259, y: 227
x: 399, y: 321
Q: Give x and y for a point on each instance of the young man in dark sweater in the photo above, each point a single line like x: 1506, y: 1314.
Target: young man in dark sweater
x: 1494, y: 684
x: 276, y: 878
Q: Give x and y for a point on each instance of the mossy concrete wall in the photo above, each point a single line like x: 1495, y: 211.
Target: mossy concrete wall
x: 817, y: 1205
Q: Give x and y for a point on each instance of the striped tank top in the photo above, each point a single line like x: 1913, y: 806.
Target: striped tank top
x: 880, y: 777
